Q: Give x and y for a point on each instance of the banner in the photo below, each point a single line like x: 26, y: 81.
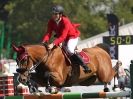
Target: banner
x: 113, y: 28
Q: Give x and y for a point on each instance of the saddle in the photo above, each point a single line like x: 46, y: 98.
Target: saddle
x: 82, y: 54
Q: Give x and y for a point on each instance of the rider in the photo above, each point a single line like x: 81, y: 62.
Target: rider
x: 66, y: 33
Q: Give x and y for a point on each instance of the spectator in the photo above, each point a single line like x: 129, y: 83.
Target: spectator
x: 121, y: 75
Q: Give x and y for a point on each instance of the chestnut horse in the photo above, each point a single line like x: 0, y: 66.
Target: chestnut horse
x: 53, y: 67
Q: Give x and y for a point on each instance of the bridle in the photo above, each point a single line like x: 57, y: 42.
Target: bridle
x: 25, y: 58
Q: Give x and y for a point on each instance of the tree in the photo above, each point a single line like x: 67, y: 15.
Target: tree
x: 29, y: 18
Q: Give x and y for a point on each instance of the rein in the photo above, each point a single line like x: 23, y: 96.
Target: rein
x: 37, y: 64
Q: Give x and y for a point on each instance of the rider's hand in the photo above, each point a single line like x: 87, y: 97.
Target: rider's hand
x: 50, y: 46
x: 44, y: 43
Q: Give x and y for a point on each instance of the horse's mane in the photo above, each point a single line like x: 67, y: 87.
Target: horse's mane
x: 29, y: 44
x: 39, y: 44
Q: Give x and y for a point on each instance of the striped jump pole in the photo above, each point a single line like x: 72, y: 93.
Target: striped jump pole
x: 73, y: 95
x: 96, y: 95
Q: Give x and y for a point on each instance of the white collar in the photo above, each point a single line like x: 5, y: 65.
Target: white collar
x: 57, y: 22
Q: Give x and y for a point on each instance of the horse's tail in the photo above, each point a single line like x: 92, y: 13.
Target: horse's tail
x: 104, y: 47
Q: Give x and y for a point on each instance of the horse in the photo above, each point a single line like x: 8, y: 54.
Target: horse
x: 54, y: 68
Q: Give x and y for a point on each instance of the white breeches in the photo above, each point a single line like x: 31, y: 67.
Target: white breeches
x: 71, y: 45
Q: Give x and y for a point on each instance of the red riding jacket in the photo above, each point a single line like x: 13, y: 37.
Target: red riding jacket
x: 64, y: 30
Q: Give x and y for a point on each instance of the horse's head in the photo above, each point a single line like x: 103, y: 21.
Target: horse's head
x: 23, y: 61
x: 29, y: 57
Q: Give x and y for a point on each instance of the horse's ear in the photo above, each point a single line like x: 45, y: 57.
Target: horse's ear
x: 22, y: 48
x: 15, y: 48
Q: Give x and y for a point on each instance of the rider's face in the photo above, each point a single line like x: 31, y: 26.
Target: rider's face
x: 56, y: 16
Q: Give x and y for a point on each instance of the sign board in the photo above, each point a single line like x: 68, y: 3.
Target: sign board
x: 118, y: 40
x: 115, y: 41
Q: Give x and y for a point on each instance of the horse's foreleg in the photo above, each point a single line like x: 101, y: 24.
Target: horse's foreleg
x: 57, y: 78
x: 57, y: 81
x: 32, y: 87
x: 49, y: 88
x: 47, y: 78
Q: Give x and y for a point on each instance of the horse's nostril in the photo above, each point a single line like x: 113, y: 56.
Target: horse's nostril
x: 21, y: 70
x: 23, y: 80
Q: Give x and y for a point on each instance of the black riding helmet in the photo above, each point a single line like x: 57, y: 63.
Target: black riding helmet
x: 58, y: 9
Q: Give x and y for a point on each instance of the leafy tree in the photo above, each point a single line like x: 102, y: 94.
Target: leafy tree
x: 29, y: 17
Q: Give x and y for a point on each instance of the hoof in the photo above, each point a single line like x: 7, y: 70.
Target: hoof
x: 54, y: 90
x: 106, y: 90
x: 51, y: 90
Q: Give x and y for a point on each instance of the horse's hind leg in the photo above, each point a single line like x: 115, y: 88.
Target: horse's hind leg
x: 106, y: 89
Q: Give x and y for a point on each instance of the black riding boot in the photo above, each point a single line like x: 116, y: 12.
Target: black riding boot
x: 77, y: 59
